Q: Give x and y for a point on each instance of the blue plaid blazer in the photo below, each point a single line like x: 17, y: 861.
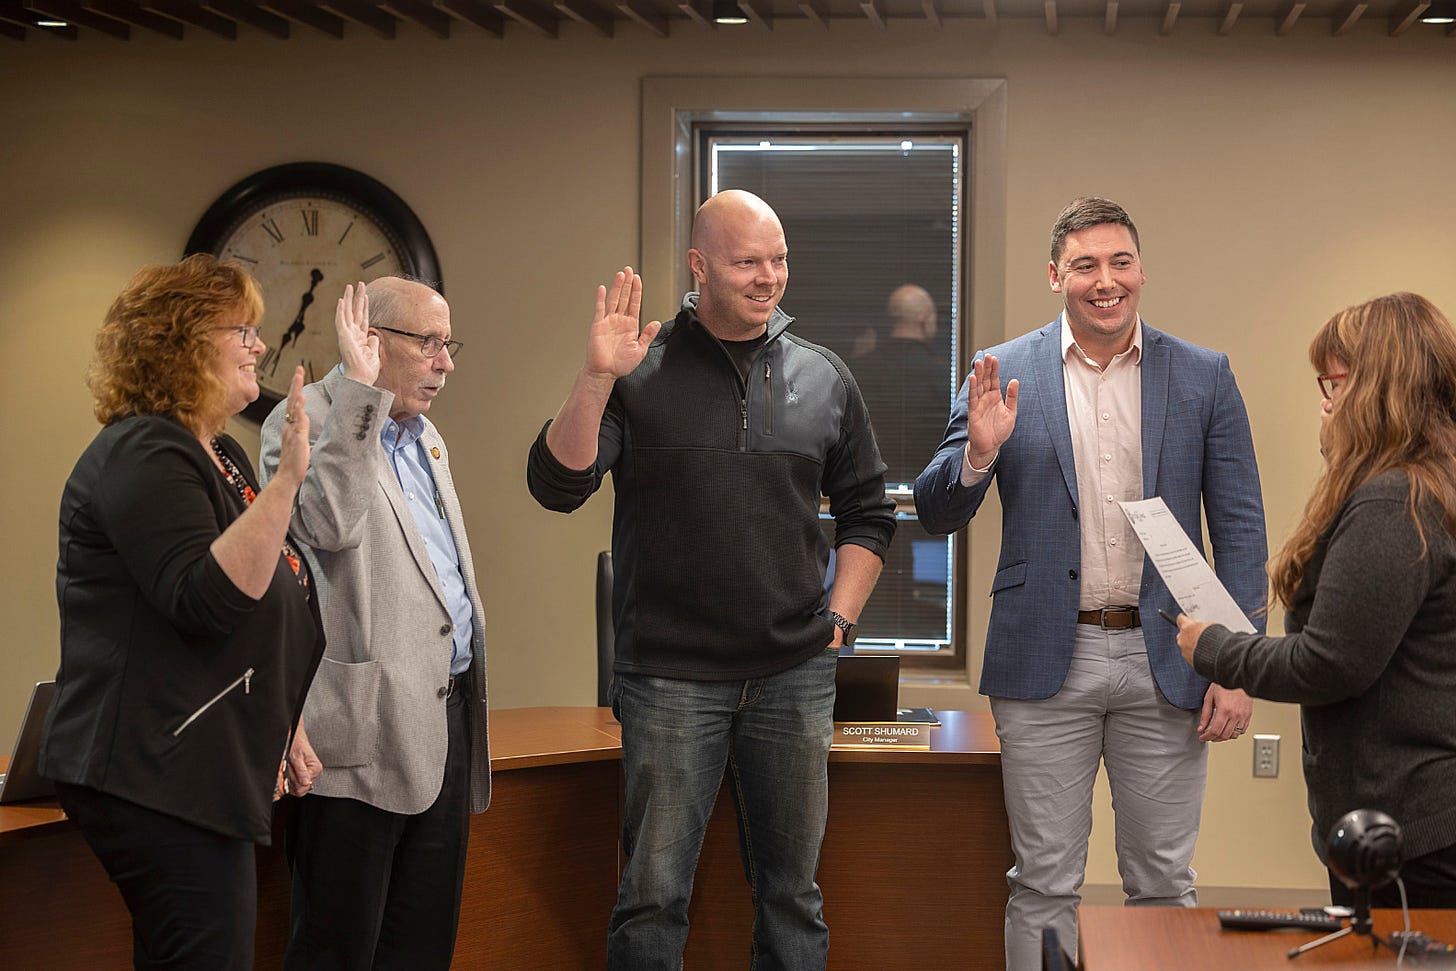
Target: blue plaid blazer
x: 1198, y: 455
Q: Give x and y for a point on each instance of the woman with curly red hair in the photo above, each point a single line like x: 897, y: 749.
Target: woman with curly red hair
x: 189, y: 629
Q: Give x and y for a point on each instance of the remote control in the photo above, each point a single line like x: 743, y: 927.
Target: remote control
x: 1268, y: 920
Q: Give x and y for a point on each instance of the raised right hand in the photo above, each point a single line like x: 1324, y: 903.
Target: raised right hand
x: 616, y: 346
x: 358, y: 348
x: 989, y: 417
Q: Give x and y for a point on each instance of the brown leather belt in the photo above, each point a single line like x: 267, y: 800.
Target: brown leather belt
x: 1111, y: 618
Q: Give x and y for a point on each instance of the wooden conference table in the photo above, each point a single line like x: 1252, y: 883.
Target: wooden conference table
x: 1159, y: 938
x: 913, y: 866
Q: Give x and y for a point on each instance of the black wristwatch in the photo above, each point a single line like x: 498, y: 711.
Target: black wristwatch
x: 846, y: 625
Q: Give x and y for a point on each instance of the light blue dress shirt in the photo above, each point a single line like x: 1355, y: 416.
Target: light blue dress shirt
x: 411, y: 466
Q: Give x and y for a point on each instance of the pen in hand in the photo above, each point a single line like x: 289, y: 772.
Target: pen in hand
x: 1166, y: 616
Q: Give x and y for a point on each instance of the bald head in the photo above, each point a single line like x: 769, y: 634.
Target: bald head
x: 740, y: 262
x: 393, y: 301
x: 728, y: 214
x: 912, y: 313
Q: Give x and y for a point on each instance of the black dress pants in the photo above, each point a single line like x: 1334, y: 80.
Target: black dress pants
x: 1430, y: 882
x: 379, y: 890
x: 192, y: 893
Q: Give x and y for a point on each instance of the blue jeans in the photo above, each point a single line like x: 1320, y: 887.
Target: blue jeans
x: 772, y: 735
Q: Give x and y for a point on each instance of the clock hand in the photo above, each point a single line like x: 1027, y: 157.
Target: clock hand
x: 296, y: 328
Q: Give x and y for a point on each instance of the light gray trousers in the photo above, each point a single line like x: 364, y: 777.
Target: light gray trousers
x: 1108, y: 710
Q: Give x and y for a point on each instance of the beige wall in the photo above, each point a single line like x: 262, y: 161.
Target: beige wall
x: 1274, y: 180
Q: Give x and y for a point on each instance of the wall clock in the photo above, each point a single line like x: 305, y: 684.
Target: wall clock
x: 305, y: 230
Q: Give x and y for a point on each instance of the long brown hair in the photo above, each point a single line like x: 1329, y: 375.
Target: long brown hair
x: 1395, y: 411
x: 154, y: 350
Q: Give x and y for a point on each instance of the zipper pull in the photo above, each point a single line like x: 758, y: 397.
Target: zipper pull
x: 766, y: 371
x: 248, y: 681
x: 743, y: 411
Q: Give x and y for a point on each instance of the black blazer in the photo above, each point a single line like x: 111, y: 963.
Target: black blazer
x: 176, y: 690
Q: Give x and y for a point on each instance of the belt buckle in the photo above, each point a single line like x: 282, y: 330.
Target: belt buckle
x: 1102, y: 613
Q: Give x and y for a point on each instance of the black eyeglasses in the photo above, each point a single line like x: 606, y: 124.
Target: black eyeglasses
x: 429, y: 346
x: 250, y: 333
x: 1327, y: 383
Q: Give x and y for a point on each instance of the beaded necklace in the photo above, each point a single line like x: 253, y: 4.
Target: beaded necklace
x: 235, y: 478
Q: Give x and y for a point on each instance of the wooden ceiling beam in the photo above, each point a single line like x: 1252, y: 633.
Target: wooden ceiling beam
x: 1109, y: 18
x: 873, y: 13
x: 423, y: 13
x: 475, y: 12
x: 365, y: 14
x: 638, y: 12
x: 132, y: 13
x: 1402, y: 16
x: 1170, y: 17
x: 988, y: 10
x: 305, y: 13
x: 758, y: 13
x: 72, y: 12
x: 12, y: 12
x: 699, y: 12
x: 932, y: 13
x: 1342, y: 22
x: 816, y: 11
x: 1049, y: 10
x: 250, y: 14
x: 195, y: 16
x: 1288, y: 17
x: 527, y: 16
x: 1230, y: 17
x: 588, y: 15
x: 12, y: 31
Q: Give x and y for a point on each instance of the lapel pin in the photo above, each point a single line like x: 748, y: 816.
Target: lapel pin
x: 435, y: 451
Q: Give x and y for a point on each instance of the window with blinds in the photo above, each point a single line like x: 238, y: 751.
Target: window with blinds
x: 874, y: 221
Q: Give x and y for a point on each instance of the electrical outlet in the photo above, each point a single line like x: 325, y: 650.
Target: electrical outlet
x: 1266, y: 756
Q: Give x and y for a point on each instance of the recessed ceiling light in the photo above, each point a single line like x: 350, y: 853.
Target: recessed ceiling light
x: 1440, y: 12
x: 727, y: 12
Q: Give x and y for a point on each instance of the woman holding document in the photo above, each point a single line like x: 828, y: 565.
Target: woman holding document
x: 1368, y: 582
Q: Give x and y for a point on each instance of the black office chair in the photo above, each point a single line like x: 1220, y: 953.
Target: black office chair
x: 606, y: 632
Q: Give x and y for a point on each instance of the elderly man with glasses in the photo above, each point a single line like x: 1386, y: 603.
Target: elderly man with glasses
x: 397, y: 712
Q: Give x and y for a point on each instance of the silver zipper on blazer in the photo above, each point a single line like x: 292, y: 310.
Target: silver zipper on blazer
x: 245, y: 679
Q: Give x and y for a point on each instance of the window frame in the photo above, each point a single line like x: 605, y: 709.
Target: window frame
x: 951, y: 654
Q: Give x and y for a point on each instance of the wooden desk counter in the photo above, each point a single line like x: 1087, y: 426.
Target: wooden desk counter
x: 1190, y: 939
x: 913, y: 866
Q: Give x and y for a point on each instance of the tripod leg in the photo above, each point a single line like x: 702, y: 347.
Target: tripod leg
x: 1319, y: 941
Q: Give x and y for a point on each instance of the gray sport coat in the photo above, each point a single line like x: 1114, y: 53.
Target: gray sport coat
x: 376, y: 711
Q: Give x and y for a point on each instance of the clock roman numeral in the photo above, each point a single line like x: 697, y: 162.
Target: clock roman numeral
x: 347, y: 228
x: 310, y: 221
x: 371, y: 261
x: 245, y: 259
x: 271, y: 225
x: 308, y: 369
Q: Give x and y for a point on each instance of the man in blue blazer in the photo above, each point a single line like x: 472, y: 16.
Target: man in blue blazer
x: 1099, y: 408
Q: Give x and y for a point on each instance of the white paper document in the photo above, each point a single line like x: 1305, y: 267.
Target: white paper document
x: 1189, y: 577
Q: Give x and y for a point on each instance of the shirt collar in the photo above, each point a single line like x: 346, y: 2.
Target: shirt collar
x: 397, y: 435
x: 1135, y: 349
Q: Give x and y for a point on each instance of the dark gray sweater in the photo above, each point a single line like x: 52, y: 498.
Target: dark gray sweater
x: 1371, y: 658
